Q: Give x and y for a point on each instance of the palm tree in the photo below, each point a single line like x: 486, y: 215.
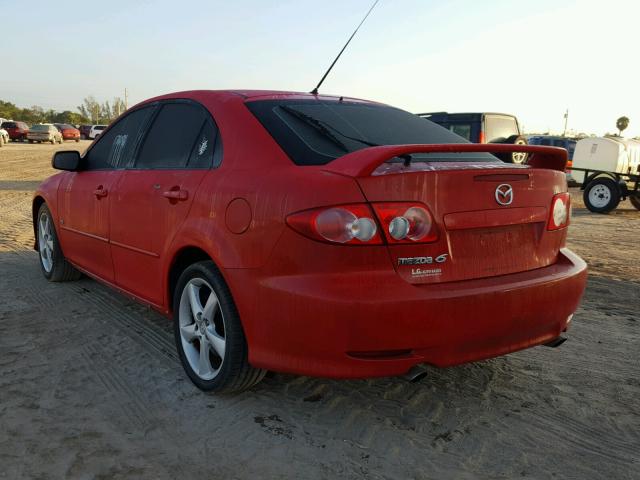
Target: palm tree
x: 621, y: 124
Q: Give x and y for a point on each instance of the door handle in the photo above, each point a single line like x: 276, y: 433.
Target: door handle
x: 176, y: 194
x: 101, y: 192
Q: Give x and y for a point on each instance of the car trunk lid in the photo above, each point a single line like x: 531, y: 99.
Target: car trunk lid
x: 491, y: 216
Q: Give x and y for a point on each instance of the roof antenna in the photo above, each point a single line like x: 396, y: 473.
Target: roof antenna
x: 315, y: 90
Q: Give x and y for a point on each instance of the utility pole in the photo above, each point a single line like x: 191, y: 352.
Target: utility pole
x: 566, y: 120
x: 126, y: 99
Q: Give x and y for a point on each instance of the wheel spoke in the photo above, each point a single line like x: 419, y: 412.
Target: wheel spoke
x: 210, y: 308
x: 189, y: 332
x: 217, y: 342
x: 194, y: 301
x: 50, y: 245
x: 204, y: 365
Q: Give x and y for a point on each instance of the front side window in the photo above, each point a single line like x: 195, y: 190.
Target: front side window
x: 115, y: 148
x: 181, y: 136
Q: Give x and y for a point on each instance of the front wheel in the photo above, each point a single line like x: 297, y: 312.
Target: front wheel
x: 601, y: 195
x: 208, y: 333
x: 54, y: 265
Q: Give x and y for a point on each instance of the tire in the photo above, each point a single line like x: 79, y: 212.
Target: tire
x: 601, y: 195
x: 30, y: 141
x: 53, y: 141
x: 635, y: 201
x: 516, y: 158
x: 53, y: 263
x: 216, y: 323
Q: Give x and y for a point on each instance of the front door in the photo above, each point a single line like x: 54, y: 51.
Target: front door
x: 154, y: 196
x: 84, y: 219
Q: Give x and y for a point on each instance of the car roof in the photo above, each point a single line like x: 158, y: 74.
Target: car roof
x: 249, y: 95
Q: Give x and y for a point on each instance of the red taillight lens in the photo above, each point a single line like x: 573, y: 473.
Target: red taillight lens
x: 560, y: 212
x: 345, y: 224
x: 406, y: 222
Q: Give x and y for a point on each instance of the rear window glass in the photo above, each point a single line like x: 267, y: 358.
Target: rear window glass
x: 315, y: 132
x: 499, y: 128
x: 40, y: 128
x: 8, y: 125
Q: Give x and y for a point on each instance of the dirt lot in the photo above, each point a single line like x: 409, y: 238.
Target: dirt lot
x: 90, y: 386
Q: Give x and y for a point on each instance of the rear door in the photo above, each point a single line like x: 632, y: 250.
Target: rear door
x: 155, y: 194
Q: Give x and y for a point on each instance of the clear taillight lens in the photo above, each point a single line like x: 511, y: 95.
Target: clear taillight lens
x: 345, y: 224
x: 560, y: 212
x: 406, y: 222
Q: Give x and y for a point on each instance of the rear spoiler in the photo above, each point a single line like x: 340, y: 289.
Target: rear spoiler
x: 363, y: 163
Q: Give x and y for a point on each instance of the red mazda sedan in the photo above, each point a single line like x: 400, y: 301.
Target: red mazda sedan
x: 68, y: 132
x: 316, y: 235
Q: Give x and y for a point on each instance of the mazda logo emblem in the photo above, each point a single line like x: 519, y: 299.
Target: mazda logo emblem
x: 504, y: 194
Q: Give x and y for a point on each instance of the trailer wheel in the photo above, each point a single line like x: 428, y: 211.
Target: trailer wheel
x: 601, y: 195
x: 635, y: 201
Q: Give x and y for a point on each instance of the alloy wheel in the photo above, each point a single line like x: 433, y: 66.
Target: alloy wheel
x: 202, y: 328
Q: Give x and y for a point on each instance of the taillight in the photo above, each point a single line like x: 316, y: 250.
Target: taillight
x: 560, y: 211
x: 345, y: 224
x: 406, y: 222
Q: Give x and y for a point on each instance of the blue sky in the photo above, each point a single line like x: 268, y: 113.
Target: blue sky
x: 530, y: 58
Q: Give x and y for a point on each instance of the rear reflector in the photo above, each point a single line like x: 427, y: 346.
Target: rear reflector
x: 560, y: 211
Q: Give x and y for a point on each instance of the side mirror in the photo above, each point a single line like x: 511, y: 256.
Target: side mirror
x: 66, y: 160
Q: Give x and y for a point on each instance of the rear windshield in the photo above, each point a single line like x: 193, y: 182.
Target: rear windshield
x: 40, y: 128
x: 8, y: 125
x: 315, y: 132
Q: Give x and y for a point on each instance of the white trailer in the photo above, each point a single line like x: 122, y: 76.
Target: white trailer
x: 608, y: 169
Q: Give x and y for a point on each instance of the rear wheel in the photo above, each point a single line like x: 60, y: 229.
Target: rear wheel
x: 208, y: 333
x: 601, y: 195
x: 54, y: 265
x: 635, y: 200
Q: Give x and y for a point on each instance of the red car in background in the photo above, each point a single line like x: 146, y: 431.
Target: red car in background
x: 316, y: 235
x: 68, y: 132
x: 17, y: 130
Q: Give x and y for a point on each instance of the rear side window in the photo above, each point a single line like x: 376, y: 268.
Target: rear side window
x: 181, y: 136
x: 462, y: 129
x: 116, y: 147
x: 315, y: 132
x: 499, y: 127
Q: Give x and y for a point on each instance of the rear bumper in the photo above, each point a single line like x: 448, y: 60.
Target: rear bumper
x: 375, y: 324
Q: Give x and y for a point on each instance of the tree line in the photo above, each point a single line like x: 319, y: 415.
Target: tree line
x: 91, y: 111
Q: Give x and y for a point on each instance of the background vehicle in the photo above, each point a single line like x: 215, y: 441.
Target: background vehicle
x: 84, y: 131
x: 569, y: 144
x: 68, y: 132
x: 95, y: 131
x: 352, y: 249
x: 608, y: 169
x: 17, y: 130
x: 44, y: 132
x: 484, y: 127
x: 4, y: 137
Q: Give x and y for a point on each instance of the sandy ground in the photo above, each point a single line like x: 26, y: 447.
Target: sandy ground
x: 90, y: 386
